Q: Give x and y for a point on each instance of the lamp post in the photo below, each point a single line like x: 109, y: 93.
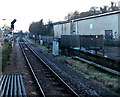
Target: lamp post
x: 12, y: 30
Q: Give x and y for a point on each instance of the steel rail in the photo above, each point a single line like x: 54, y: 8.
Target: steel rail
x: 97, y: 56
x: 33, y: 73
x: 56, y: 75
x: 97, y: 65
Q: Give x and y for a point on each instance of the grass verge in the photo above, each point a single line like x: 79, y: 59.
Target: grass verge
x: 6, y: 51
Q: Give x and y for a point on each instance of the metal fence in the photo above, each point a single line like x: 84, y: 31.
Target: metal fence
x: 82, y: 41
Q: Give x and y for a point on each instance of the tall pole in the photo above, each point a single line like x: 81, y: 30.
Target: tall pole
x: 12, y: 29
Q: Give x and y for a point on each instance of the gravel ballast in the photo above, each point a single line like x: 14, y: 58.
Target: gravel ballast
x: 74, y: 77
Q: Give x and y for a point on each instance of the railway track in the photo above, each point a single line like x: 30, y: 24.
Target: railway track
x: 49, y: 83
x: 104, y: 63
x: 97, y: 65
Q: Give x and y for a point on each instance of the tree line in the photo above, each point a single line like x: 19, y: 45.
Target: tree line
x: 92, y: 11
x: 40, y: 28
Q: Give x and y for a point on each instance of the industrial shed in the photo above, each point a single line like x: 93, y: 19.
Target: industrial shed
x: 62, y: 28
x: 107, y: 24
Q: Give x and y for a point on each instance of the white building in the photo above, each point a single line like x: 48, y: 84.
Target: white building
x: 107, y: 24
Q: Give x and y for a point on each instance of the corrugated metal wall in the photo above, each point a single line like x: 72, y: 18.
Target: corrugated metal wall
x: 91, y: 26
x: 86, y: 41
x: 97, y: 26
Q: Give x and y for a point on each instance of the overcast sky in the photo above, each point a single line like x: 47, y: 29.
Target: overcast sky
x: 26, y: 11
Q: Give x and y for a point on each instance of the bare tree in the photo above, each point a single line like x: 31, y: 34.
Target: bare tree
x: 69, y: 16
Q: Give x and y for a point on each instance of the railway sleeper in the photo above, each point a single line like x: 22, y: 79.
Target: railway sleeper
x: 12, y: 86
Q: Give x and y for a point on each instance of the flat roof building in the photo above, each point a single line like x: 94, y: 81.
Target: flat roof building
x: 107, y: 24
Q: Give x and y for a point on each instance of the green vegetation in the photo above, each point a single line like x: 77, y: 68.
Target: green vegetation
x: 6, y: 51
x: 40, y: 28
x: 108, y: 80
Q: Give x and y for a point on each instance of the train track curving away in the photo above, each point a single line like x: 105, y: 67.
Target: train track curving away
x: 49, y: 83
